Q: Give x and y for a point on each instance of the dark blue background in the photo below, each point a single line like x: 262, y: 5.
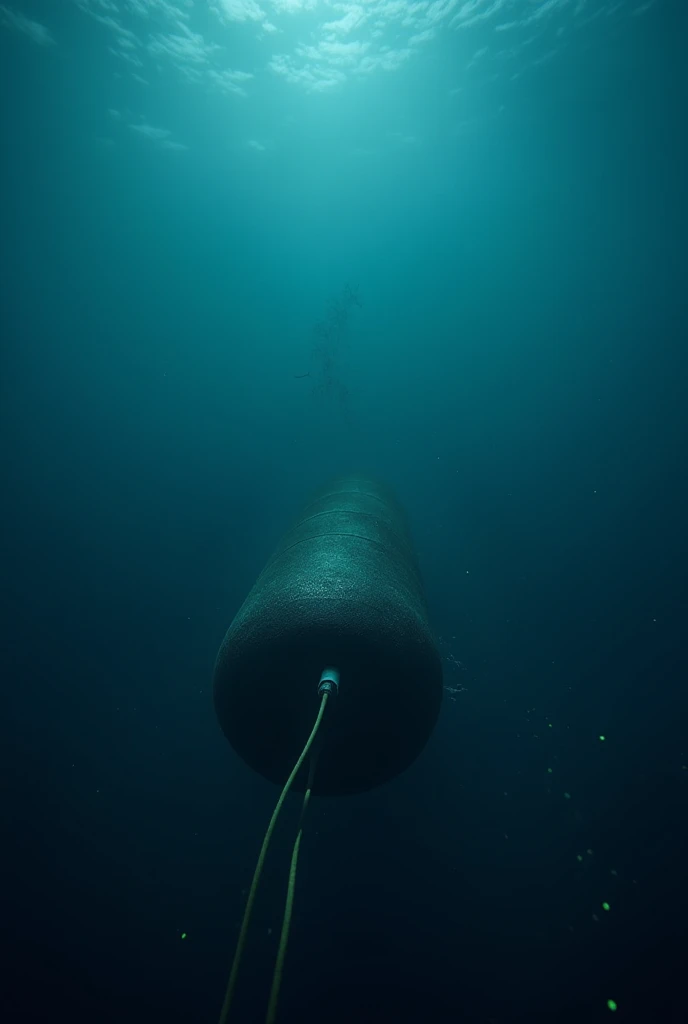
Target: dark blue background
x: 517, y: 372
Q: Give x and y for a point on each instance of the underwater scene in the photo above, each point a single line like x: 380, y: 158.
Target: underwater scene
x: 344, y: 436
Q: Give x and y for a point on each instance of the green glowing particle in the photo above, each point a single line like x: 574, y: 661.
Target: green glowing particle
x: 550, y: 725
x: 602, y: 738
x: 183, y: 935
x: 567, y: 796
x: 578, y: 857
x: 611, y: 1004
x: 549, y: 771
x: 605, y: 906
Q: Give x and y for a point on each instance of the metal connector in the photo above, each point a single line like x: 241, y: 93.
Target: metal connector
x: 329, y: 681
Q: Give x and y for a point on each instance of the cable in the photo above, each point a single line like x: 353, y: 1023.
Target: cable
x: 289, y: 905
x: 231, y: 984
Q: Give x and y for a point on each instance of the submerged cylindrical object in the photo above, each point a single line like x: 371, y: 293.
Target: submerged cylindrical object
x: 342, y: 589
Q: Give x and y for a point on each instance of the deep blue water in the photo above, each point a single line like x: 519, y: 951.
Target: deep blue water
x: 247, y: 246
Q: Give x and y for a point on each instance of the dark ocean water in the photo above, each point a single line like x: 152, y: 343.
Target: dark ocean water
x: 466, y: 223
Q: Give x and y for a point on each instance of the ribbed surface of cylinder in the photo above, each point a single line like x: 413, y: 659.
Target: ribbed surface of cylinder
x: 342, y: 589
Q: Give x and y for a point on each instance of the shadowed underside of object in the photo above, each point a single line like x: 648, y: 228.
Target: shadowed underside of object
x: 342, y: 589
